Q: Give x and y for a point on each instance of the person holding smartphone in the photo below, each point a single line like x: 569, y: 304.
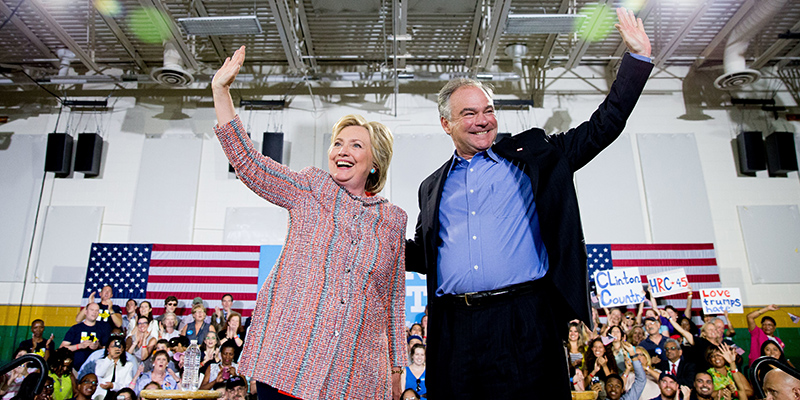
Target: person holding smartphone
x: 223, y: 370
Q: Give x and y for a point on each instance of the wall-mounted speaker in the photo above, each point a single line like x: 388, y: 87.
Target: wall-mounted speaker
x: 272, y: 146
x: 752, y: 153
x: 88, y: 154
x: 58, y: 158
x: 781, y: 155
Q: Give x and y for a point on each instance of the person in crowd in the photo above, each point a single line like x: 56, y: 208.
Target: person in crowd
x: 703, y: 387
x: 114, y: 371
x: 628, y: 321
x: 87, y: 336
x: 220, y: 316
x: 759, y: 335
x: 91, y: 362
x: 14, y: 378
x: 409, y: 394
x: 232, y: 330
x: 141, y: 342
x: 210, y: 350
x: 636, y: 335
x: 125, y: 393
x: 616, y: 347
x: 166, y: 378
x: 170, y: 305
x: 615, y: 384
x: 189, y: 319
x: 87, y: 386
x: 61, y: 365
x: 655, y: 341
x: 151, y: 386
x: 710, y: 337
x: 413, y: 340
x: 235, y: 388
x: 725, y: 374
x: 416, y: 330
x: 424, y: 322
x: 222, y: 370
x: 199, y: 328
x: 109, y: 314
x: 37, y: 344
x: 613, y: 318
x: 413, y: 376
x: 682, y: 369
x: 688, y: 325
x: 168, y: 328
x: 778, y: 385
x: 27, y: 390
x: 161, y: 344
x: 670, y: 389
x: 145, y: 310
x: 528, y: 217
x: 367, y: 250
x: 772, y: 349
x: 130, y: 314
x: 576, y: 343
x: 652, y: 374
x: 599, y: 362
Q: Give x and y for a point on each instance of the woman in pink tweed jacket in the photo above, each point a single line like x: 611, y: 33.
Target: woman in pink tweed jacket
x: 329, y: 320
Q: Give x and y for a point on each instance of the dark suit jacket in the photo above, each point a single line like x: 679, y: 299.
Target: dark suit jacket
x: 550, y: 162
x: 686, y: 371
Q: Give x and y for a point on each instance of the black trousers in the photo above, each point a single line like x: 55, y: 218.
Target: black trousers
x: 506, y: 348
x: 267, y: 392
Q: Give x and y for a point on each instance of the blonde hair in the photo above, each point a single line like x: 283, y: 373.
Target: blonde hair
x: 646, y: 355
x: 381, y: 140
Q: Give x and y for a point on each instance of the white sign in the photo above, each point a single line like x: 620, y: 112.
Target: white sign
x: 668, y: 283
x: 717, y: 301
x: 619, y: 287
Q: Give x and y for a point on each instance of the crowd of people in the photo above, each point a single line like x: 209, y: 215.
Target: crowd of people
x: 660, y: 353
x: 111, y: 354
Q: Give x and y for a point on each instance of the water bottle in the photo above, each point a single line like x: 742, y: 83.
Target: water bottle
x: 191, y: 367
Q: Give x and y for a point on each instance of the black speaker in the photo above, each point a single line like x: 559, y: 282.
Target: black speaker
x: 88, y: 153
x: 272, y: 146
x: 58, y: 158
x: 752, y: 153
x: 781, y: 156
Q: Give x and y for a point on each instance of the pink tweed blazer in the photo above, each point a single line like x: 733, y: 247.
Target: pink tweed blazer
x: 329, y: 321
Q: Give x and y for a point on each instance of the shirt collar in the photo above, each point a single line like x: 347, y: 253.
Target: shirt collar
x: 488, y: 153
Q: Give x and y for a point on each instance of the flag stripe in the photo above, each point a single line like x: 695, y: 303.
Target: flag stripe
x: 191, y: 271
x: 230, y: 280
x: 664, y: 246
x: 205, y: 263
x: 237, y: 295
x: 205, y: 248
x: 246, y: 312
x: 665, y: 262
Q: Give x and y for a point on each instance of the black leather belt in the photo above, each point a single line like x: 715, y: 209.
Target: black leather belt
x: 490, y: 296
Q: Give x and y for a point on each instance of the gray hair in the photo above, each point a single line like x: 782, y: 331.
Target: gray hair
x: 443, y: 99
x: 673, y: 341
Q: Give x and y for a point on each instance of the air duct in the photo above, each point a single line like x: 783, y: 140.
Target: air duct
x: 65, y: 57
x: 736, y: 72
x: 516, y: 52
x: 172, y: 74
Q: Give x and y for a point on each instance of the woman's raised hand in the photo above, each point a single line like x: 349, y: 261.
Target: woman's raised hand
x: 227, y: 73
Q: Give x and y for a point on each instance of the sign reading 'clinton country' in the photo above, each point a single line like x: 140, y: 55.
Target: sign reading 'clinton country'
x: 717, y: 301
x: 619, y: 287
x: 668, y: 283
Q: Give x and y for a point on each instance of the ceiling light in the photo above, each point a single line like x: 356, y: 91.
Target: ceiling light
x: 219, y: 26
x: 532, y: 24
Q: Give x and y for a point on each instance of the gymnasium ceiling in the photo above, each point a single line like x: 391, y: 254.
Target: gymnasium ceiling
x: 360, y: 43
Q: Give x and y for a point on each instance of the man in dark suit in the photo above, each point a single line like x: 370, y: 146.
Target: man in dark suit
x: 500, y: 239
x: 683, y: 369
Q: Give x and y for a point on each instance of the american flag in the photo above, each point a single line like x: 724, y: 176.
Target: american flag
x: 154, y: 271
x: 697, y: 259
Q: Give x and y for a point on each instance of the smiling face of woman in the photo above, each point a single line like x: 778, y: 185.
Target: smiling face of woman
x: 234, y: 322
x: 419, y: 356
x: 598, y: 349
x: 574, y: 334
x: 716, y: 359
x: 144, y: 308
x: 771, y: 350
x: 211, y: 340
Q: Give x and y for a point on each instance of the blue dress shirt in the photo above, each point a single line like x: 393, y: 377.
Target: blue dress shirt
x: 489, y: 227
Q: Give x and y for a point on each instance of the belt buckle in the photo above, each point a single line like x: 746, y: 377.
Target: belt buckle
x: 466, y: 298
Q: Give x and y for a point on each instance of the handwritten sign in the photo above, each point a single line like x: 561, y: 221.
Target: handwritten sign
x: 717, y: 301
x: 668, y: 283
x: 619, y: 287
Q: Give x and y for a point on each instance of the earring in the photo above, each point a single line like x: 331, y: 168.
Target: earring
x: 372, y: 171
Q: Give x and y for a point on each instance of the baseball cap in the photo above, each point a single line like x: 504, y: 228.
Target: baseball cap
x: 666, y: 374
x: 234, y: 382
x: 197, y: 300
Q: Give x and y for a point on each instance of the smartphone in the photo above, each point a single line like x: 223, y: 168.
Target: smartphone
x: 595, y: 379
x: 225, y: 374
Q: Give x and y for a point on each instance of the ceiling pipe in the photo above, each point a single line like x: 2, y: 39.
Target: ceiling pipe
x: 65, y: 57
x: 736, y: 72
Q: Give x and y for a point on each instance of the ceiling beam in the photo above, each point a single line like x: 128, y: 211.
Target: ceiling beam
x: 27, y: 32
x: 788, y: 57
x: 549, y: 44
x: 580, y: 48
x: 283, y: 21
x: 164, y: 18
x: 724, y: 32
x: 494, y: 32
x: 474, y: 40
x: 62, y: 35
x: 123, y: 40
x: 773, y: 50
x: 200, y: 8
x: 684, y: 30
x: 399, y: 30
x: 308, y: 44
x: 622, y: 48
